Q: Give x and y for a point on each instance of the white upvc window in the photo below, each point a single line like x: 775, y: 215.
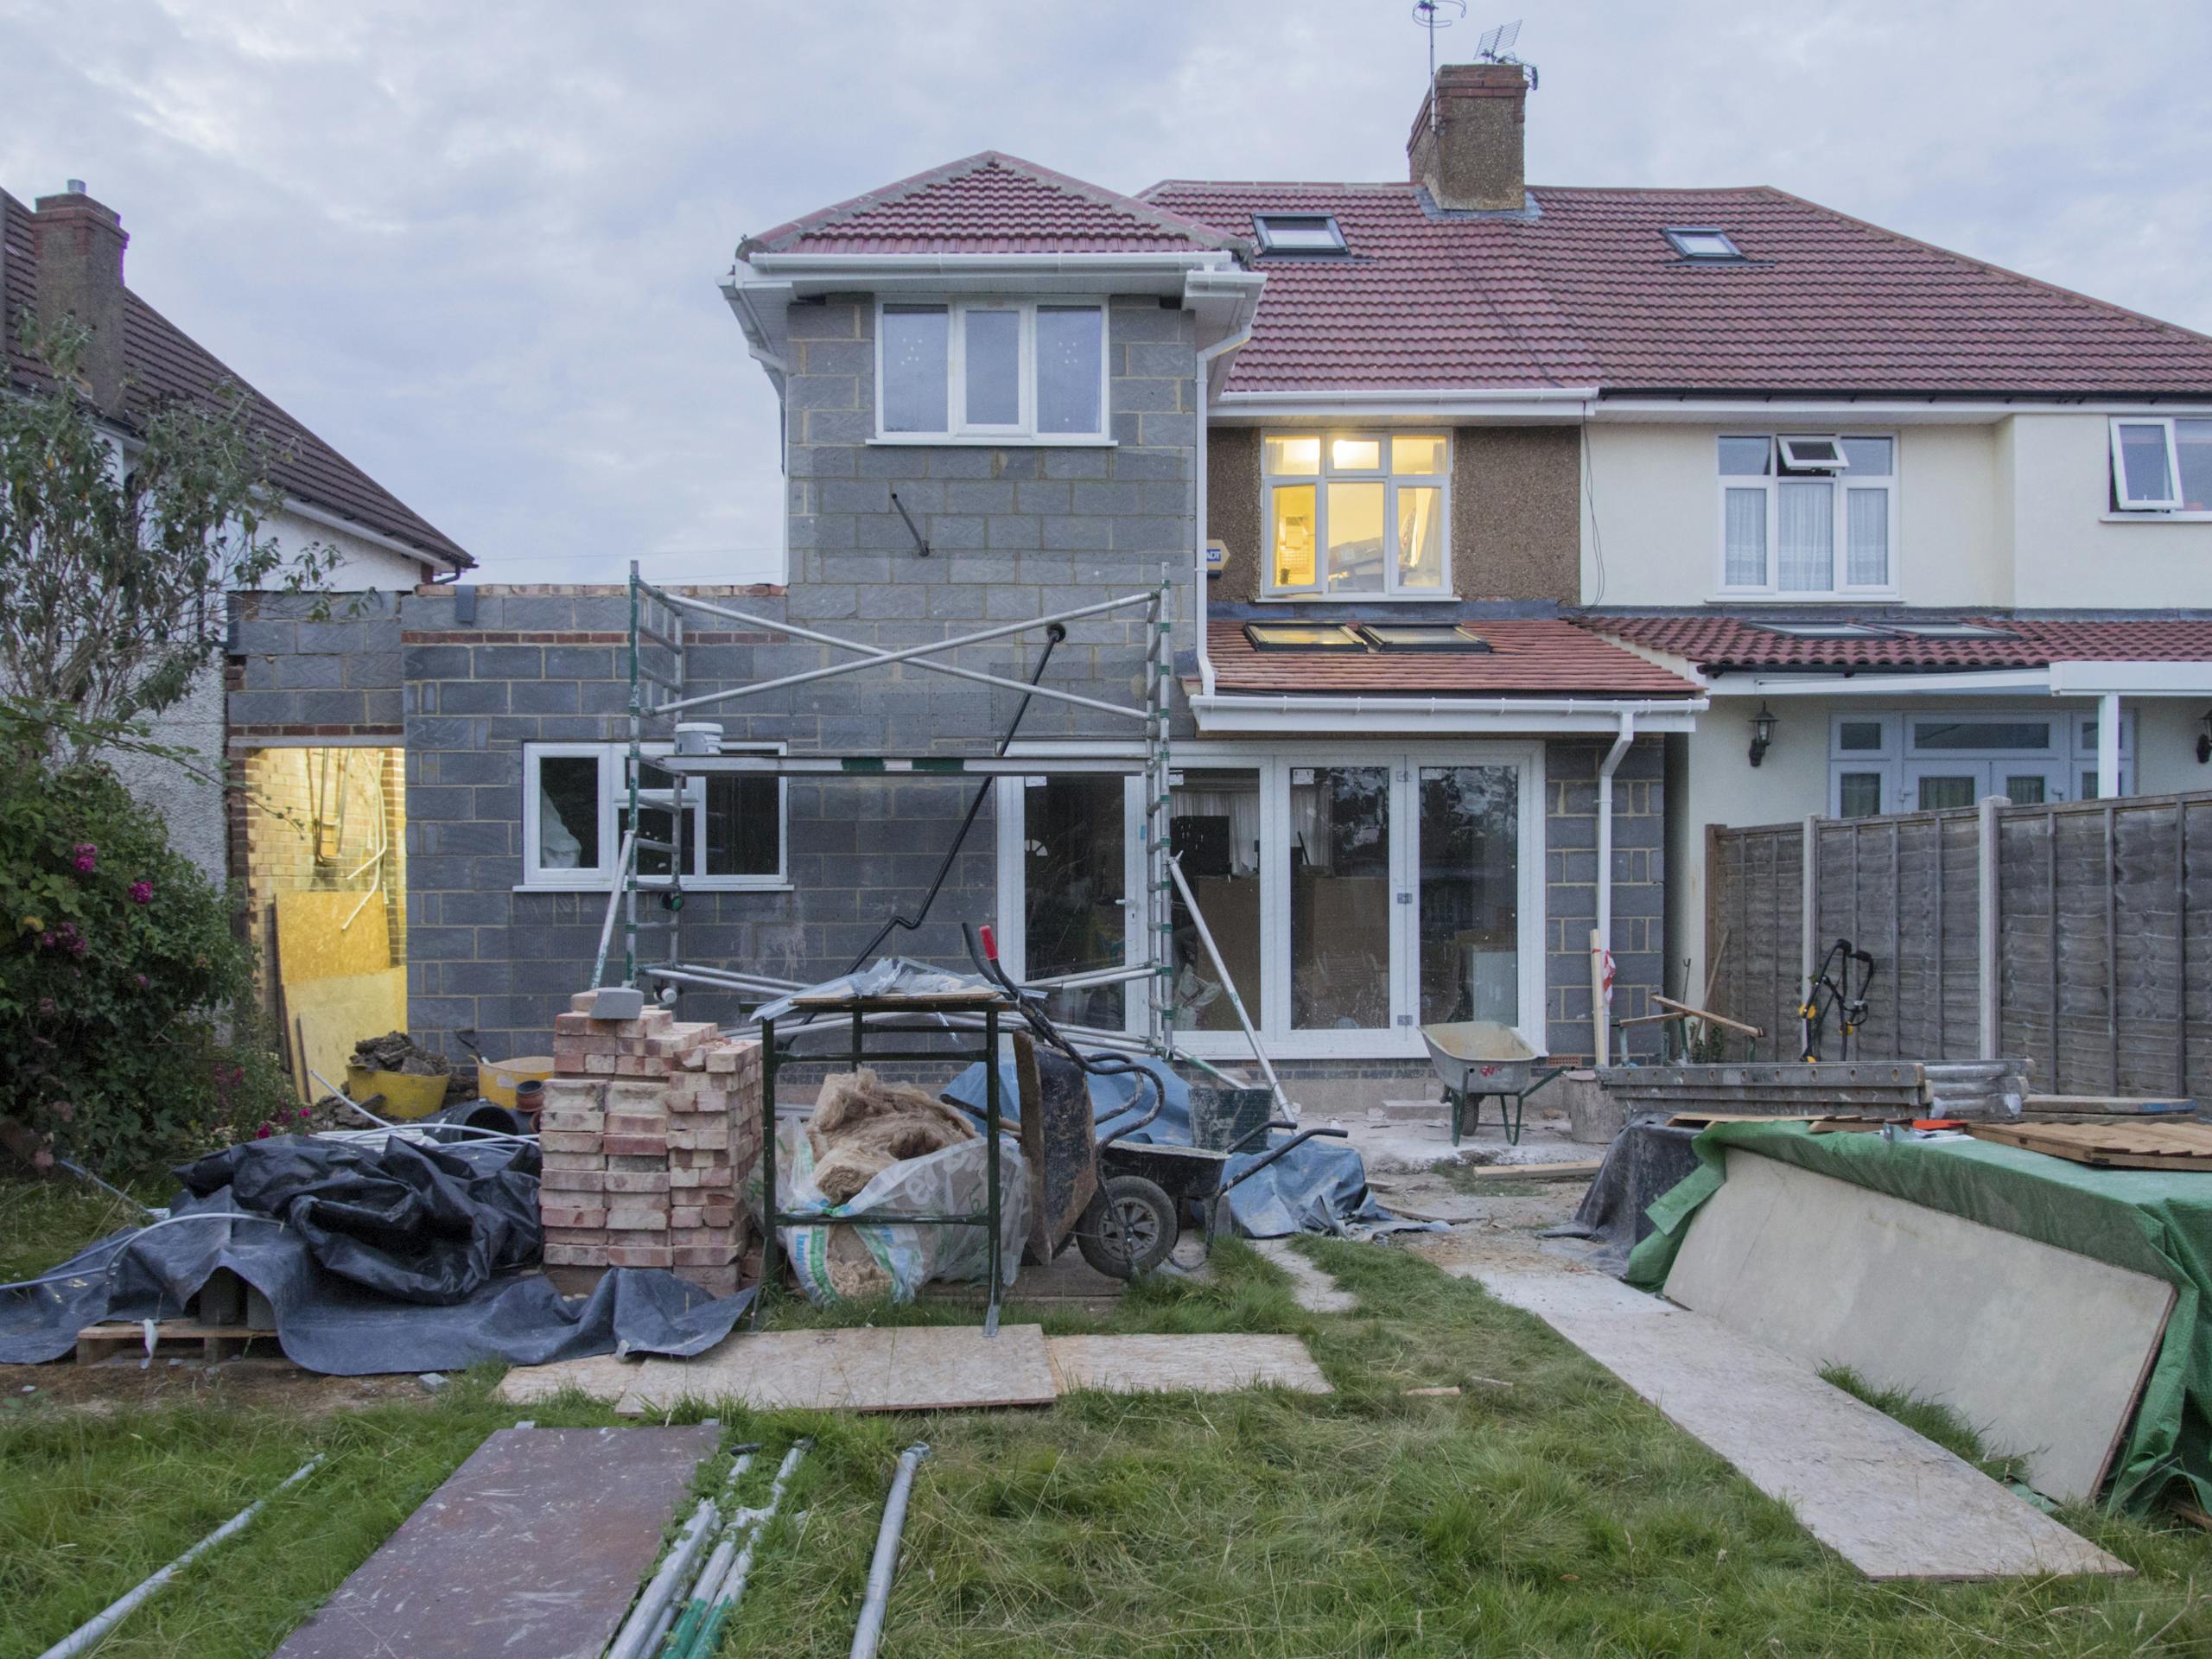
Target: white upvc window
x: 2162, y: 464
x: 1808, y: 515
x: 981, y: 369
x: 1944, y: 759
x: 576, y: 810
x: 1357, y: 513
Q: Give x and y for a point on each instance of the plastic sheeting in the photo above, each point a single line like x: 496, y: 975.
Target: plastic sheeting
x: 1644, y: 1162
x: 390, y: 1257
x: 1320, y: 1188
x: 2150, y: 1221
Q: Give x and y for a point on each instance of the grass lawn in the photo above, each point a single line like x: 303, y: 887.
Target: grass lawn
x: 1558, y: 1515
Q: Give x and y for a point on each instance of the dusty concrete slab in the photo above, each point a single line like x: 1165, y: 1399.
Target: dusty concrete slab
x: 1317, y: 1292
x: 1893, y: 1504
x: 1205, y: 1364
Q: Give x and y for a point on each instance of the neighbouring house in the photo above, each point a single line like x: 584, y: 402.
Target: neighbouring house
x: 1514, y: 535
x: 324, y: 802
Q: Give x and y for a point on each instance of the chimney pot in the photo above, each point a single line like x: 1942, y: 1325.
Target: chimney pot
x: 1467, y: 147
x: 76, y: 258
x: 75, y: 187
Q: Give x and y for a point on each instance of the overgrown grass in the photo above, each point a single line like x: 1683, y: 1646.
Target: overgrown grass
x: 43, y: 1222
x: 1931, y: 1420
x: 1559, y: 1514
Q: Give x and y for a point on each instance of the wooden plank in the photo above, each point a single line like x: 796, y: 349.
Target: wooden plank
x: 330, y: 1015
x: 180, y: 1338
x: 1206, y: 1364
x: 1568, y: 1169
x: 2109, y: 1105
x: 535, y: 1545
x: 2114, y: 1144
x: 1891, y: 1503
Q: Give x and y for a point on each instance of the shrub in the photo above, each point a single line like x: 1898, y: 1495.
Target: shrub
x: 127, y: 1011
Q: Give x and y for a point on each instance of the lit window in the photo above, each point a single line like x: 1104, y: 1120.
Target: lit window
x: 1298, y: 233
x: 1807, y: 515
x: 1356, y: 512
x: 2162, y: 465
x: 991, y: 368
x: 1703, y: 242
x: 576, y: 813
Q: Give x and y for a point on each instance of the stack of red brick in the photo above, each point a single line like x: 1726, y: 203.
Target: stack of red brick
x: 650, y: 1130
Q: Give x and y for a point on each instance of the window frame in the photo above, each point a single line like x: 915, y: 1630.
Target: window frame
x: 1841, y: 483
x: 1676, y: 234
x: 614, y: 796
x: 1328, y: 437
x: 1900, y: 762
x: 2171, y: 504
x: 1263, y: 232
x: 958, y: 428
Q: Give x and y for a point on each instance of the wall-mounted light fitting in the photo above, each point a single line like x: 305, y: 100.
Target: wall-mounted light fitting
x: 2204, y: 739
x: 1762, y: 732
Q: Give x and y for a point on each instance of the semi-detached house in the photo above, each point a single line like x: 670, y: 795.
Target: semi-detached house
x: 1514, y: 533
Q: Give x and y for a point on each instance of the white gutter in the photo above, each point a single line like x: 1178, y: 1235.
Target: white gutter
x: 323, y: 515
x: 1601, y: 935
x: 1309, y: 716
x: 955, y: 264
x: 1414, y: 395
x: 1990, y: 683
x: 1462, y: 403
x: 1931, y: 410
x: 1207, y: 358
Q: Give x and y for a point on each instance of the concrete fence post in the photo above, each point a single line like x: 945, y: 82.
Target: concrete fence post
x: 1986, y: 983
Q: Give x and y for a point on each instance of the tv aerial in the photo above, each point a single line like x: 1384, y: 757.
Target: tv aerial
x: 1496, y: 44
x: 1433, y: 15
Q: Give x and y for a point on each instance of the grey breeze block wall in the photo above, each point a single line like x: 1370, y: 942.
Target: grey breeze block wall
x: 1571, y: 886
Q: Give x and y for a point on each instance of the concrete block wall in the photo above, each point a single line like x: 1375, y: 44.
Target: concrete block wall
x: 1571, y: 886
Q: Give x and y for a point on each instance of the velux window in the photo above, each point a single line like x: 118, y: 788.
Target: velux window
x: 991, y: 368
x: 1298, y: 233
x: 1357, y: 513
x: 2162, y: 465
x: 575, y: 812
x: 1807, y: 514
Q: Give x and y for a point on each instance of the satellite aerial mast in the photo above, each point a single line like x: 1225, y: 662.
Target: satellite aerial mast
x: 1433, y: 15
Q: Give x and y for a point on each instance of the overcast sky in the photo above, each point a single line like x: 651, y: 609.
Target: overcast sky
x: 477, y: 246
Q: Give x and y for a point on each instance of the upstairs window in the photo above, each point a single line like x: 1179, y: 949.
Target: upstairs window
x: 983, y: 369
x: 2162, y: 464
x: 1357, y: 513
x: 1807, y: 514
x: 1298, y: 233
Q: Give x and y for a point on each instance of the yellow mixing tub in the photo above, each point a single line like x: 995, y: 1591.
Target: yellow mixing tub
x: 404, y: 1094
x: 497, y: 1080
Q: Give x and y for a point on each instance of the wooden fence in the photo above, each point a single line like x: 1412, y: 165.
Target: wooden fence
x: 2092, y: 957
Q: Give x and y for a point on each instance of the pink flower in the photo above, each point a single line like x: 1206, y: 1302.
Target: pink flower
x: 142, y: 981
x: 85, y: 856
x: 142, y: 892
x: 265, y: 1132
x: 47, y: 1006
x: 303, y: 1111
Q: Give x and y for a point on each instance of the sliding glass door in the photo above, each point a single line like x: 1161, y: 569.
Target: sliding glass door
x: 1469, y: 947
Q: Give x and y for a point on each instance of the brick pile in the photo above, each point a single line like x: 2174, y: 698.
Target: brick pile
x: 650, y: 1127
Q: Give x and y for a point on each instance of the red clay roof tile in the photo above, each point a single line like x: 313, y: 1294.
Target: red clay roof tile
x: 1718, y: 644
x: 1528, y: 657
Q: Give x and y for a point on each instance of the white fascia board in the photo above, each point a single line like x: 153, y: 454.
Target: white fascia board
x: 1851, y: 411
x: 997, y: 273
x: 323, y: 515
x: 1459, y: 404
x: 1998, y: 682
x: 1302, y: 715
x: 2170, y: 678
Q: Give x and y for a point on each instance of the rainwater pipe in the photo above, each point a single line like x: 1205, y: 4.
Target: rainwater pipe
x: 1601, y: 935
x: 1208, y: 356
x: 869, y: 1637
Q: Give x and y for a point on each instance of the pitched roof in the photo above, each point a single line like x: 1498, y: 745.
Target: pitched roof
x: 1528, y: 657
x: 1588, y: 291
x: 1718, y: 644
x: 990, y: 202
x: 164, y: 364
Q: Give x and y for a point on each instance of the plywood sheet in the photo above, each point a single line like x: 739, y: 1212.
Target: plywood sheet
x: 315, y: 939
x: 535, y: 1545
x: 2041, y: 1350
x: 914, y: 1368
x: 1206, y: 1364
x: 328, y: 1016
x: 1893, y: 1504
x: 2118, y: 1144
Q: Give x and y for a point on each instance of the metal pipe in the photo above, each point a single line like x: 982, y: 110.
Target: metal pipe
x: 88, y: 1634
x: 869, y: 1637
x: 614, y: 903
x: 720, y: 1590
x: 1601, y: 936
x: 1236, y: 1002
x: 660, y: 1590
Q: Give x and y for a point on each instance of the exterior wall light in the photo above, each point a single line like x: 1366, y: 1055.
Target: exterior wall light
x: 2204, y: 739
x: 1763, y: 732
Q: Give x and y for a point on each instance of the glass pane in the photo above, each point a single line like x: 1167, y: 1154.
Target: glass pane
x: 994, y: 368
x: 742, y: 825
x: 1073, y: 921
x: 568, y: 812
x: 1420, y: 537
x: 2193, y: 453
x: 1293, y: 457
x: 654, y: 824
x: 1746, y: 457
x: 1421, y: 454
x: 1805, y: 536
x: 1981, y: 735
x: 1305, y: 233
x: 2089, y: 786
x: 1356, y: 552
x: 1294, y: 534
x: 1746, y: 549
x: 916, y: 371
x: 1859, y: 794
x: 1470, y: 894
x: 2025, y: 789
x: 1946, y: 794
x: 1858, y: 734
x: 1071, y: 366
x: 1339, y: 898
x: 1214, y: 825
x: 1870, y: 457
x: 2143, y: 461
x: 1866, y: 514
x: 1356, y: 455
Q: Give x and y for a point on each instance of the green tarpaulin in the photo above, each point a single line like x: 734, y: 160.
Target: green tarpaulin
x: 2147, y: 1220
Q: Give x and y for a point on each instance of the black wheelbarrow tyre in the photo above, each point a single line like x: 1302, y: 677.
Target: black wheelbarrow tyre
x: 1138, y: 1202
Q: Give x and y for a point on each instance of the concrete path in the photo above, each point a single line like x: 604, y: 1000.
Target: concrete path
x: 1317, y: 1292
x: 1893, y: 1504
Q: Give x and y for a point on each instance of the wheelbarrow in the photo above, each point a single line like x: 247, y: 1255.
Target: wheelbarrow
x: 1479, y: 1059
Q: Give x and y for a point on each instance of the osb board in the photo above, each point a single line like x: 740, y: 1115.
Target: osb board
x: 535, y: 1545
x: 314, y: 941
x: 1891, y: 1503
x: 914, y: 1368
x: 2116, y: 1145
x: 1207, y: 1364
x: 2043, y: 1350
x: 328, y: 1016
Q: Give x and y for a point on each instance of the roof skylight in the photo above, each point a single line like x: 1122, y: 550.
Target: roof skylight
x: 1302, y: 636
x: 1952, y: 630
x: 1823, y: 630
x: 1422, y: 636
x: 1703, y: 242
x: 1299, y: 233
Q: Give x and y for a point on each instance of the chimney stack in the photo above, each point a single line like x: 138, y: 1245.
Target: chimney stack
x: 77, y: 255
x: 1466, y: 148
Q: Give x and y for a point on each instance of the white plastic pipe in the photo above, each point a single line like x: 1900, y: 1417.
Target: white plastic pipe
x: 869, y: 1635
x: 88, y: 1634
x: 633, y: 1640
x: 1601, y: 937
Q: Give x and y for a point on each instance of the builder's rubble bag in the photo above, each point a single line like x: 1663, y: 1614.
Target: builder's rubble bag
x: 852, y: 1260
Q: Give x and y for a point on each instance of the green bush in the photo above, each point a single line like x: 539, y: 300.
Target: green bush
x: 127, y: 1012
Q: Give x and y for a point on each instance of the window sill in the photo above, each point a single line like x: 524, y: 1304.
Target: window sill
x: 1841, y: 596
x: 2154, y: 516
x: 989, y: 441
x: 699, y: 884
x: 1355, y: 598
